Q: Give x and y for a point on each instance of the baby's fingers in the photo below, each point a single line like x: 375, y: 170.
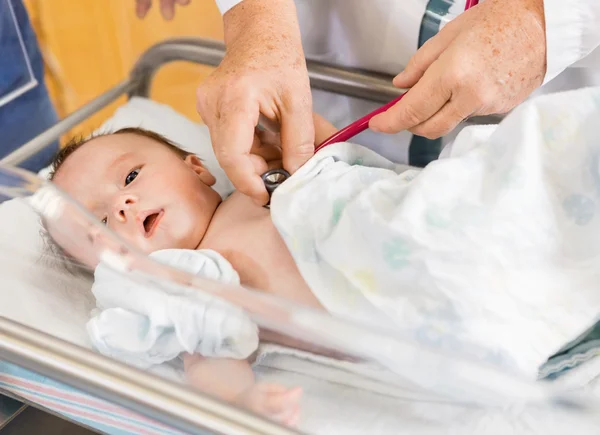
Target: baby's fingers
x: 294, y: 418
x: 278, y: 402
x: 142, y: 7
x: 291, y: 413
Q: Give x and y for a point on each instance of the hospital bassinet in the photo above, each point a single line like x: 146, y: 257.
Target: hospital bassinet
x: 110, y: 397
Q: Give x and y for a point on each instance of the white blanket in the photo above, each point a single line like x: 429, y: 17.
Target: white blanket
x: 492, y: 253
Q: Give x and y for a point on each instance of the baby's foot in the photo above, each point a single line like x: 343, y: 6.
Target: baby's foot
x: 273, y: 401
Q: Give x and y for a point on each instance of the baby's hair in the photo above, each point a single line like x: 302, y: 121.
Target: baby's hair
x: 77, y: 142
x: 52, y: 248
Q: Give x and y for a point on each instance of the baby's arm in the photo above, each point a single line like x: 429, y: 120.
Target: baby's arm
x: 225, y: 379
x: 323, y: 128
x: 233, y: 381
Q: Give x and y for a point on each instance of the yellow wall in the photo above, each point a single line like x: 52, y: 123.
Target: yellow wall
x: 90, y: 45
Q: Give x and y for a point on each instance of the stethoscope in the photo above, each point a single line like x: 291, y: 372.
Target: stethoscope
x: 273, y: 180
x: 275, y: 177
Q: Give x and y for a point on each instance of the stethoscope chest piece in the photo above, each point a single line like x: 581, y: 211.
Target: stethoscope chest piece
x: 273, y: 180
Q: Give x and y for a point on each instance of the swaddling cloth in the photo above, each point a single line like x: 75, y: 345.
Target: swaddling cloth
x: 145, y: 326
x: 491, y: 254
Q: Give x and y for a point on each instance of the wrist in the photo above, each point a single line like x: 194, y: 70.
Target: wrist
x: 262, y: 21
x: 534, y: 8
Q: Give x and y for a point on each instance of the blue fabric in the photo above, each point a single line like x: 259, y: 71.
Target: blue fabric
x: 574, y: 354
x: 32, y: 112
x: 76, y: 405
x: 422, y: 151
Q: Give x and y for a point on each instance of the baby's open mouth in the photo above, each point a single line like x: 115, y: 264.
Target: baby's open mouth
x: 151, y: 222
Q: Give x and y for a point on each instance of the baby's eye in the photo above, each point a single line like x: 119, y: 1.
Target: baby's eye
x: 131, y: 176
x: 104, y: 221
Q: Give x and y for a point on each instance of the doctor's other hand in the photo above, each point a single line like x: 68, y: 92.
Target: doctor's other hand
x: 485, y: 61
x: 264, y: 71
x: 167, y: 7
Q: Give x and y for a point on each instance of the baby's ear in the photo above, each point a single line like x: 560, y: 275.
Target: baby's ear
x: 204, y: 174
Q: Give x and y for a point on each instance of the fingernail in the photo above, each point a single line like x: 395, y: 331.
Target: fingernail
x: 291, y: 167
x: 259, y: 203
x: 373, y: 126
x: 398, y: 79
x: 168, y: 14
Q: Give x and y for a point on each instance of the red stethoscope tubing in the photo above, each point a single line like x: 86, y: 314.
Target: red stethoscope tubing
x: 362, y: 124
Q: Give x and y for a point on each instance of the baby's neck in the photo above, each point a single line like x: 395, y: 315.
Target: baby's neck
x: 244, y: 234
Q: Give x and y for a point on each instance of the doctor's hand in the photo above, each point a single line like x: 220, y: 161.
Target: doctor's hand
x: 167, y: 7
x: 264, y: 71
x: 485, y: 61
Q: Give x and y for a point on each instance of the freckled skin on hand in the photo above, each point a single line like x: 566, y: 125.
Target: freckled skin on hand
x: 263, y: 73
x: 486, y: 61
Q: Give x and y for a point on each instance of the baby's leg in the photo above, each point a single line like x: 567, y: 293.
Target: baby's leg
x: 323, y: 128
x: 224, y: 379
x: 233, y: 381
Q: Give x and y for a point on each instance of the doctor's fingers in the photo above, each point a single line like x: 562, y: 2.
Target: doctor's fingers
x: 419, y: 104
x: 470, y: 95
x: 297, y: 128
x: 142, y: 7
x: 445, y: 120
x: 167, y: 7
x: 427, y: 54
x: 265, y: 158
x: 267, y: 145
x: 232, y: 135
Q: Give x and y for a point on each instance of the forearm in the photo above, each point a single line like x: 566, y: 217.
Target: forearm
x: 323, y: 128
x: 224, y: 379
x: 263, y: 25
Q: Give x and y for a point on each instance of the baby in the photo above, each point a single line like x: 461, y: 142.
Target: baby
x: 491, y: 254
x: 157, y: 196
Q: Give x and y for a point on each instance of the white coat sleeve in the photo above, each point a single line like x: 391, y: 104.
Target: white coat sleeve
x: 572, y: 33
x: 225, y: 5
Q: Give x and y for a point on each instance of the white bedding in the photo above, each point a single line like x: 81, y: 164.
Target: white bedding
x: 40, y: 296
x: 492, y: 253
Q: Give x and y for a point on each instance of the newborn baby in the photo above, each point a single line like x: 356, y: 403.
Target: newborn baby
x: 491, y: 254
x: 157, y: 196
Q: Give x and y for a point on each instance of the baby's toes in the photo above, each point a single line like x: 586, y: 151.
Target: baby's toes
x: 293, y: 418
x: 293, y: 394
x: 274, y: 404
x: 286, y: 406
x: 290, y: 415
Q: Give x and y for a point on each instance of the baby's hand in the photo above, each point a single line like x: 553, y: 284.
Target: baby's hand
x: 273, y: 401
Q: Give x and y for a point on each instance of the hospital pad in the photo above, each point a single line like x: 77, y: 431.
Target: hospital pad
x: 490, y: 254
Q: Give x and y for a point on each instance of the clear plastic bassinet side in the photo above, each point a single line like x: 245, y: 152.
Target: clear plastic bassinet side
x: 409, y: 376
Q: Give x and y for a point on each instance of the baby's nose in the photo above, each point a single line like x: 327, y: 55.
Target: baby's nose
x: 124, y: 208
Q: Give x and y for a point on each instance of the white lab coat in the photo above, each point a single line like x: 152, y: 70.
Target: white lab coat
x: 382, y: 35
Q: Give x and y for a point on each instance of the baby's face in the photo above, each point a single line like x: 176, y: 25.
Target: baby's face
x: 142, y: 190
